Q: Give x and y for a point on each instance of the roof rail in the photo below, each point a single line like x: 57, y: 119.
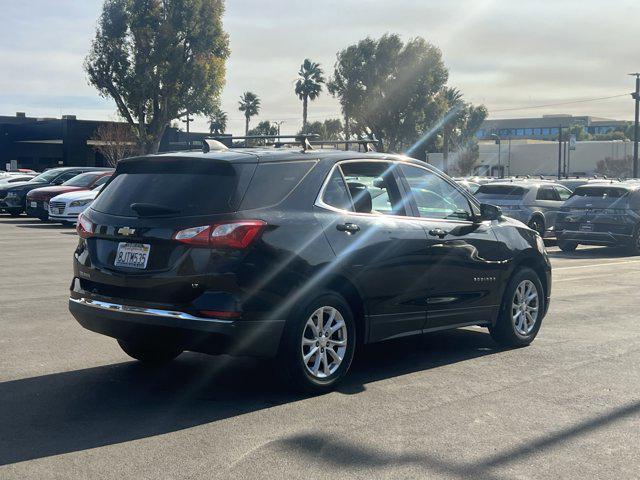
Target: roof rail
x: 305, y: 140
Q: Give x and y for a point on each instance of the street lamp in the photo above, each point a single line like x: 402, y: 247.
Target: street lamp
x: 497, y: 138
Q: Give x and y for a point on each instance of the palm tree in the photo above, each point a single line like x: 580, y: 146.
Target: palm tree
x: 218, y: 122
x: 453, y: 99
x: 308, y: 85
x: 250, y: 106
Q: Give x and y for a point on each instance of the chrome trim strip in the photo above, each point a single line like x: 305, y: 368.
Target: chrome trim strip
x: 116, y: 307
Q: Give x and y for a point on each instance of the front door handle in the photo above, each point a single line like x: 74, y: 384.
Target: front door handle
x: 438, y: 232
x: 348, y: 227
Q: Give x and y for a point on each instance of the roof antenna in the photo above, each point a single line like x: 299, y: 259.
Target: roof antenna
x: 211, y: 145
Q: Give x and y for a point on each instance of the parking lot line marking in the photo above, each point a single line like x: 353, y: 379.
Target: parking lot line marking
x: 596, y: 265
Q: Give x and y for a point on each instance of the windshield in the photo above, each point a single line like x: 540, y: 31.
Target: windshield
x: 45, y: 176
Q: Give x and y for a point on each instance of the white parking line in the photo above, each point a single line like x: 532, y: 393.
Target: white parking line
x: 596, y: 265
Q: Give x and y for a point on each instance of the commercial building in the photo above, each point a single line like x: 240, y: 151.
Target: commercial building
x: 40, y: 143
x: 546, y: 127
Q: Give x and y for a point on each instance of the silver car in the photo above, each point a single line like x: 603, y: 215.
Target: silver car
x: 533, y: 202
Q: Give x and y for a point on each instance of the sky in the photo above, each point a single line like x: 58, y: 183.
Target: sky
x: 505, y: 54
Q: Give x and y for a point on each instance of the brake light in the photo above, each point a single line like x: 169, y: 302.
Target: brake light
x: 84, y: 227
x: 239, y: 234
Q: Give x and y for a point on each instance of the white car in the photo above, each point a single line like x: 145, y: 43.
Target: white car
x: 66, y: 207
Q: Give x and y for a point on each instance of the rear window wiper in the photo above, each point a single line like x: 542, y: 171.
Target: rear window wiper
x: 152, y: 209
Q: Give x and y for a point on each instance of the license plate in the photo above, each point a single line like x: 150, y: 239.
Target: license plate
x: 586, y: 227
x: 34, y: 204
x: 132, y: 255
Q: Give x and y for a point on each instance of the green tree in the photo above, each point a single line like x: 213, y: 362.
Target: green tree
x: 309, y: 85
x: 159, y: 60
x: 218, y: 122
x: 389, y: 88
x: 264, y: 128
x: 453, y: 99
x: 330, y: 129
x: 249, y: 104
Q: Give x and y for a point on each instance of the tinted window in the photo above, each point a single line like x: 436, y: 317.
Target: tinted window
x: 373, y: 187
x: 188, y: 187
x: 335, y: 192
x: 546, y: 193
x: 102, y: 180
x: 272, y: 182
x: 501, y: 190
x: 66, y: 176
x: 434, y: 196
x: 46, y: 176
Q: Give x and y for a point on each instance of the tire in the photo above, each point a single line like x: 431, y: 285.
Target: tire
x: 150, y: 353
x: 512, y: 331
x: 634, y: 248
x: 300, y: 339
x: 14, y: 212
x: 537, y: 223
x: 567, y: 246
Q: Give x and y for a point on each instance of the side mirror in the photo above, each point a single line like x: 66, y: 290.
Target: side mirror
x: 489, y: 212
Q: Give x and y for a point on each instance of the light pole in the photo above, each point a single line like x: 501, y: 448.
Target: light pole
x: 277, y: 124
x: 498, y: 142
x: 636, y: 129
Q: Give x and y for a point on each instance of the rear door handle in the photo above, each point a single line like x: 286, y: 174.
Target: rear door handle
x: 438, y: 232
x: 348, y: 227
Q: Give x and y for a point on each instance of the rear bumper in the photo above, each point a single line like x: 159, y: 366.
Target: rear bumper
x: 206, y: 335
x: 40, y: 211
x: 594, y: 238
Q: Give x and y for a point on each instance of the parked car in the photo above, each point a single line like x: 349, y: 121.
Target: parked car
x: 66, y: 207
x: 13, y: 197
x: 38, y: 199
x: 533, y: 202
x: 290, y: 255
x: 469, y: 186
x: 14, y: 178
x: 606, y: 213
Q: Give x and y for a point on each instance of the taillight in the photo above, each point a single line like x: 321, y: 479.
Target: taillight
x: 239, y: 234
x: 84, y: 227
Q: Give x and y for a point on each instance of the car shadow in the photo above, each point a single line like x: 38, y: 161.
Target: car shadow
x: 82, y: 409
x: 585, y: 252
x: 18, y: 221
x: 44, y: 226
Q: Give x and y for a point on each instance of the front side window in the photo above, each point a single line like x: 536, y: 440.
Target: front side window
x: 373, y: 187
x: 434, y: 196
x: 563, y: 193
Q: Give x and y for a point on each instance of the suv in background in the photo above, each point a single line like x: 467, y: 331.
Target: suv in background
x: 533, y: 202
x: 13, y: 197
x: 606, y: 213
x: 300, y: 255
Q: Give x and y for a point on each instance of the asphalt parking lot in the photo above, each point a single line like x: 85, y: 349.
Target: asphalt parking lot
x: 448, y: 405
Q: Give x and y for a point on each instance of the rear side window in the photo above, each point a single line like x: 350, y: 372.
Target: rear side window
x: 182, y: 187
x: 335, y: 193
x: 272, y: 182
x: 501, y: 190
x: 82, y: 180
x: 547, y: 193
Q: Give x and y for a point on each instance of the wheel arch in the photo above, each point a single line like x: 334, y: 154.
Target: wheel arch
x: 349, y: 291
x: 538, y: 265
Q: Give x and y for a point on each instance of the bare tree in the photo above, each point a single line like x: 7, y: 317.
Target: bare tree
x: 114, y: 141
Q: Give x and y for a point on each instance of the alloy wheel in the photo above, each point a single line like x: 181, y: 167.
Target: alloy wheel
x: 324, y: 342
x: 525, y: 307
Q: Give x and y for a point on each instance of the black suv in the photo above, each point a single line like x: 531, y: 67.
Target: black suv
x: 601, y: 214
x: 298, y: 254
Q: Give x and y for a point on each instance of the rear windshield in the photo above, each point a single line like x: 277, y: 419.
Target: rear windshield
x: 180, y: 187
x: 501, y: 190
x: 83, y: 180
x: 600, y: 192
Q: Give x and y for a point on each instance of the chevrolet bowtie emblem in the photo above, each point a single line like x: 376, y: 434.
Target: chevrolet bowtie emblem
x: 126, y: 231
